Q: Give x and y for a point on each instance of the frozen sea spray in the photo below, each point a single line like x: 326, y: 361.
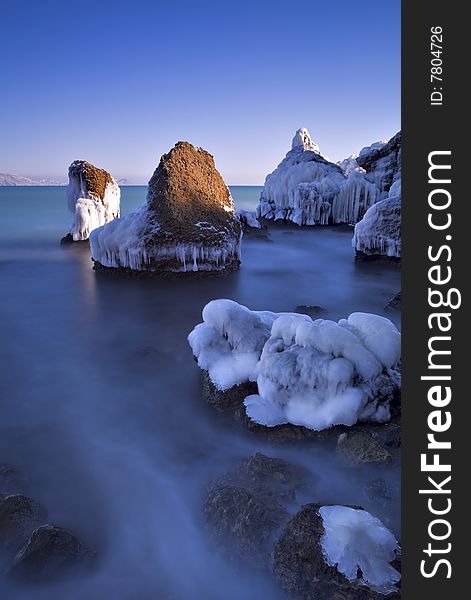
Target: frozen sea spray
x: 314, y: 374
x: 307, y: 189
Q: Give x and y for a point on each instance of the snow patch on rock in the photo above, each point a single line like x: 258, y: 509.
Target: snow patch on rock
x: 354, y: 539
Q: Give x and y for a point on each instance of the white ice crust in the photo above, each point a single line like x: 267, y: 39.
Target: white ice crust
x: 312, y: 373
x: 307, y: 189
x: 248, y: 219
x: 379, y: 232
x: 354, y: 539
x: 88, y: 209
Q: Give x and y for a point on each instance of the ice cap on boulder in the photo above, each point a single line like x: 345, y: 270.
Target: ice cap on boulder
x: 302, y: 137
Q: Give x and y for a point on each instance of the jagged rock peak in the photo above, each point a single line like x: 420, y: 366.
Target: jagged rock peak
x: 302, y: 137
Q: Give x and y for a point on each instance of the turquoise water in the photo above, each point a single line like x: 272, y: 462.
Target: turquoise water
x: 41, y: 212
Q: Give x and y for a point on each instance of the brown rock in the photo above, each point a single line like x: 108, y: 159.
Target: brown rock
x: 188, y: 224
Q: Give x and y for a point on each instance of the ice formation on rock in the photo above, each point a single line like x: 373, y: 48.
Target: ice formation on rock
x: 188, y: 223
x: 349, y: 164
x: 310, y: 373
x: 308, y: 189
x: 382, y: 164
x: 379, y: 232
x: 248, y: 219
x: 93, y: 198
x: 354, y: 539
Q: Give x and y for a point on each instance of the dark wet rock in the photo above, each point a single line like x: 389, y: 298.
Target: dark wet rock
x: 188, y: 224
x: 51, y: 553
x: 247, y: 506
x: 388, y: 434
x: 19, y: 515
x: 11, y: 480
x: 359, y: 447
x: 231, y: 399
x: 394, y: 303
x: 299, y: 565
x: 377, y: 490
x: 312, y: 311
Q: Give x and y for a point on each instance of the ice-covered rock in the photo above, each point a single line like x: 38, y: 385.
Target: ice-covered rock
x: 302, y: 138
x: 382, y: 164
x: 314, y: 374
x: 378, y: 234
x: 308, y: 189
x: 336, y: 551
x: 355, y: 540
x: 93, y: 198
x: 248, y: 219
x: 349, y: 164
x: 188, y: 223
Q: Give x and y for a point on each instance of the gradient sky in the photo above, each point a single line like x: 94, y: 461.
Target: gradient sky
x: 119, y: 82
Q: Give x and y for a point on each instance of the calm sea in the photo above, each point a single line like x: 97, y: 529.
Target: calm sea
x: 101, y: 403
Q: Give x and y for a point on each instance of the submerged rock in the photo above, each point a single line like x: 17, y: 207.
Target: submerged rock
x: 358, y: 448
x: 19, y: 515
x: 187, y: 225
x: 377, y: 490
x: 51, y: 553
x: 307, y: 189
x: 328, y: 552
x: 313, y: 311
x: 247, y: 506
x: 394, y: 303
x: 93, y: 197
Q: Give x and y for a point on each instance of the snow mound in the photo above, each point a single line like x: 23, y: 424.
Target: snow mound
x: 354, y: 539
x: 93, y: 197
x: 308, y: 189
x: 310, y: 373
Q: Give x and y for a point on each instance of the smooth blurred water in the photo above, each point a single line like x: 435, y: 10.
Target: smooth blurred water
x: 101, y: 402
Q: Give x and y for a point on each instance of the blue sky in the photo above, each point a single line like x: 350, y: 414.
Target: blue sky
x: 118, y: 83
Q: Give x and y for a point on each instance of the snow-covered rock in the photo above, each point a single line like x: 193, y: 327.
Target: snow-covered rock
x: 315, y: 374
x: 354, y: 539
x: 188, y: 223
x: 330, y: 551
x: 308, y: 189
x: 382, y: 164
x: 93, y: 198
x: 378, y: 234
x: 349, y: 164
